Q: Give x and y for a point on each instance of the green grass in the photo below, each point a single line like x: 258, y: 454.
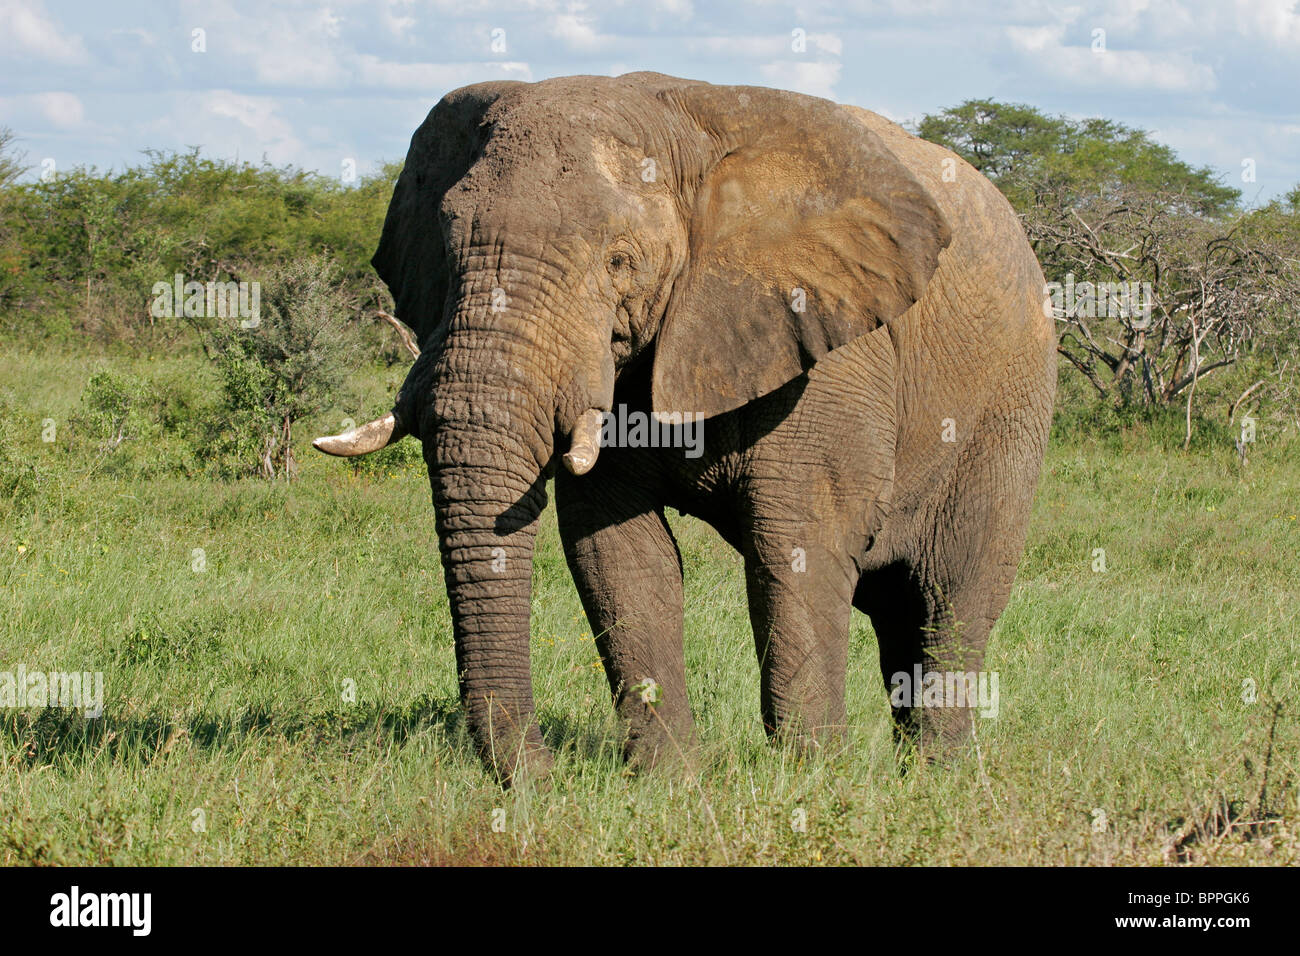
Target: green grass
x: 1121, y: 692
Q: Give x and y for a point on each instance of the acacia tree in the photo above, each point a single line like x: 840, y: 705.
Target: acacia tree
x: 1104, y: 203
x: 1023, y: 151
x: 1209, y: 290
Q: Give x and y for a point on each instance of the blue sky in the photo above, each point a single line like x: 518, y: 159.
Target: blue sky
x: 317, y: 84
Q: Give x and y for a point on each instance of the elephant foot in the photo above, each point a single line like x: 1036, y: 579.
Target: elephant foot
x: 807, y: 742
x: 511, y: 747
x: 659, y: 741
x: 931, y: 735
x: 530, y: 766
x: 809, y: 728
x: 662, y: 753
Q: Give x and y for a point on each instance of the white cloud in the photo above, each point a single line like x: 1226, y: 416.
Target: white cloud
x: 27, y: 31
x: 434, y: 78
x: 329, y: 25
x: 764, y: 45
x: 399, y: 24
x: 827, y: 43
x: 1276, y: 21
x: 741, y: 46
x: 144, y: 36
x: 278, y: 47
x: 318, y: 51
x: 62, y: 109
x: 679, y: 8
x: 271, y: 133
x: 576, y: 29
x: 816, y: 78
x: 1035, y: 40
x: 1117, y: 69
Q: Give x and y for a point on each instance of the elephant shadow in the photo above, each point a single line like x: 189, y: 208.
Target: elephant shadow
x: 64, y: 738
x: 60, y: 736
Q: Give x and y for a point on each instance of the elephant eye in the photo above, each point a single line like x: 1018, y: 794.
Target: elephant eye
x: 618, y: 261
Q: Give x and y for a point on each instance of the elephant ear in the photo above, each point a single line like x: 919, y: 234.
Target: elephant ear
x: 411, y: 258
x: 806, y: 232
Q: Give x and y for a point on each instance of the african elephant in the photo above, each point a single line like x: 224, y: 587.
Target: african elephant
x: 853, y: 313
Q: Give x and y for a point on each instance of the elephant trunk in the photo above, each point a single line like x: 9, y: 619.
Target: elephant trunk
x: 487, y: 522
x: 487, y: 400
x: 404, y: 419
x: 499, y: 399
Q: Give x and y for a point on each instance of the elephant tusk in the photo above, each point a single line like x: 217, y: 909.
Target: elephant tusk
x: 585, y: 442
x: 372, y: 436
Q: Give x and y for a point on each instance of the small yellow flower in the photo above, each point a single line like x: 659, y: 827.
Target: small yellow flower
x: 22, y: 549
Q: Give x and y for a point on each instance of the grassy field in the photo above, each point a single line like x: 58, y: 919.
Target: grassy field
x: 1127, y: 732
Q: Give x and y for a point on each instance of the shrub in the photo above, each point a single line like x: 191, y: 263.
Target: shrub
x: 118, y: 407
x: 291, y: 364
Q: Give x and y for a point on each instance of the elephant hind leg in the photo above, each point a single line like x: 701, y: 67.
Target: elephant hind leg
x: 931, y: 656
x: 933, y: 612
x: 901, y: 609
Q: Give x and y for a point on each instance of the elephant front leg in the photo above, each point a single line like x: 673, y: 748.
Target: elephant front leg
x: 799, y: 606
x: 628, y: 571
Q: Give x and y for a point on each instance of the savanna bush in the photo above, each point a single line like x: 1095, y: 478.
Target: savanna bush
x: 118, y: 408
x: 291, y: 364
x: 81, y: 250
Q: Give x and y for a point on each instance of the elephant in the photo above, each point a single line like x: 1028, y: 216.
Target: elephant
x: 851, y: 317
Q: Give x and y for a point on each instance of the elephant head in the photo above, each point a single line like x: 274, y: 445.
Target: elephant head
x: 544, y: 237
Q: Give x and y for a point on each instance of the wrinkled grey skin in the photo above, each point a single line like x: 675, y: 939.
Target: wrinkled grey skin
x: 875, y: 445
